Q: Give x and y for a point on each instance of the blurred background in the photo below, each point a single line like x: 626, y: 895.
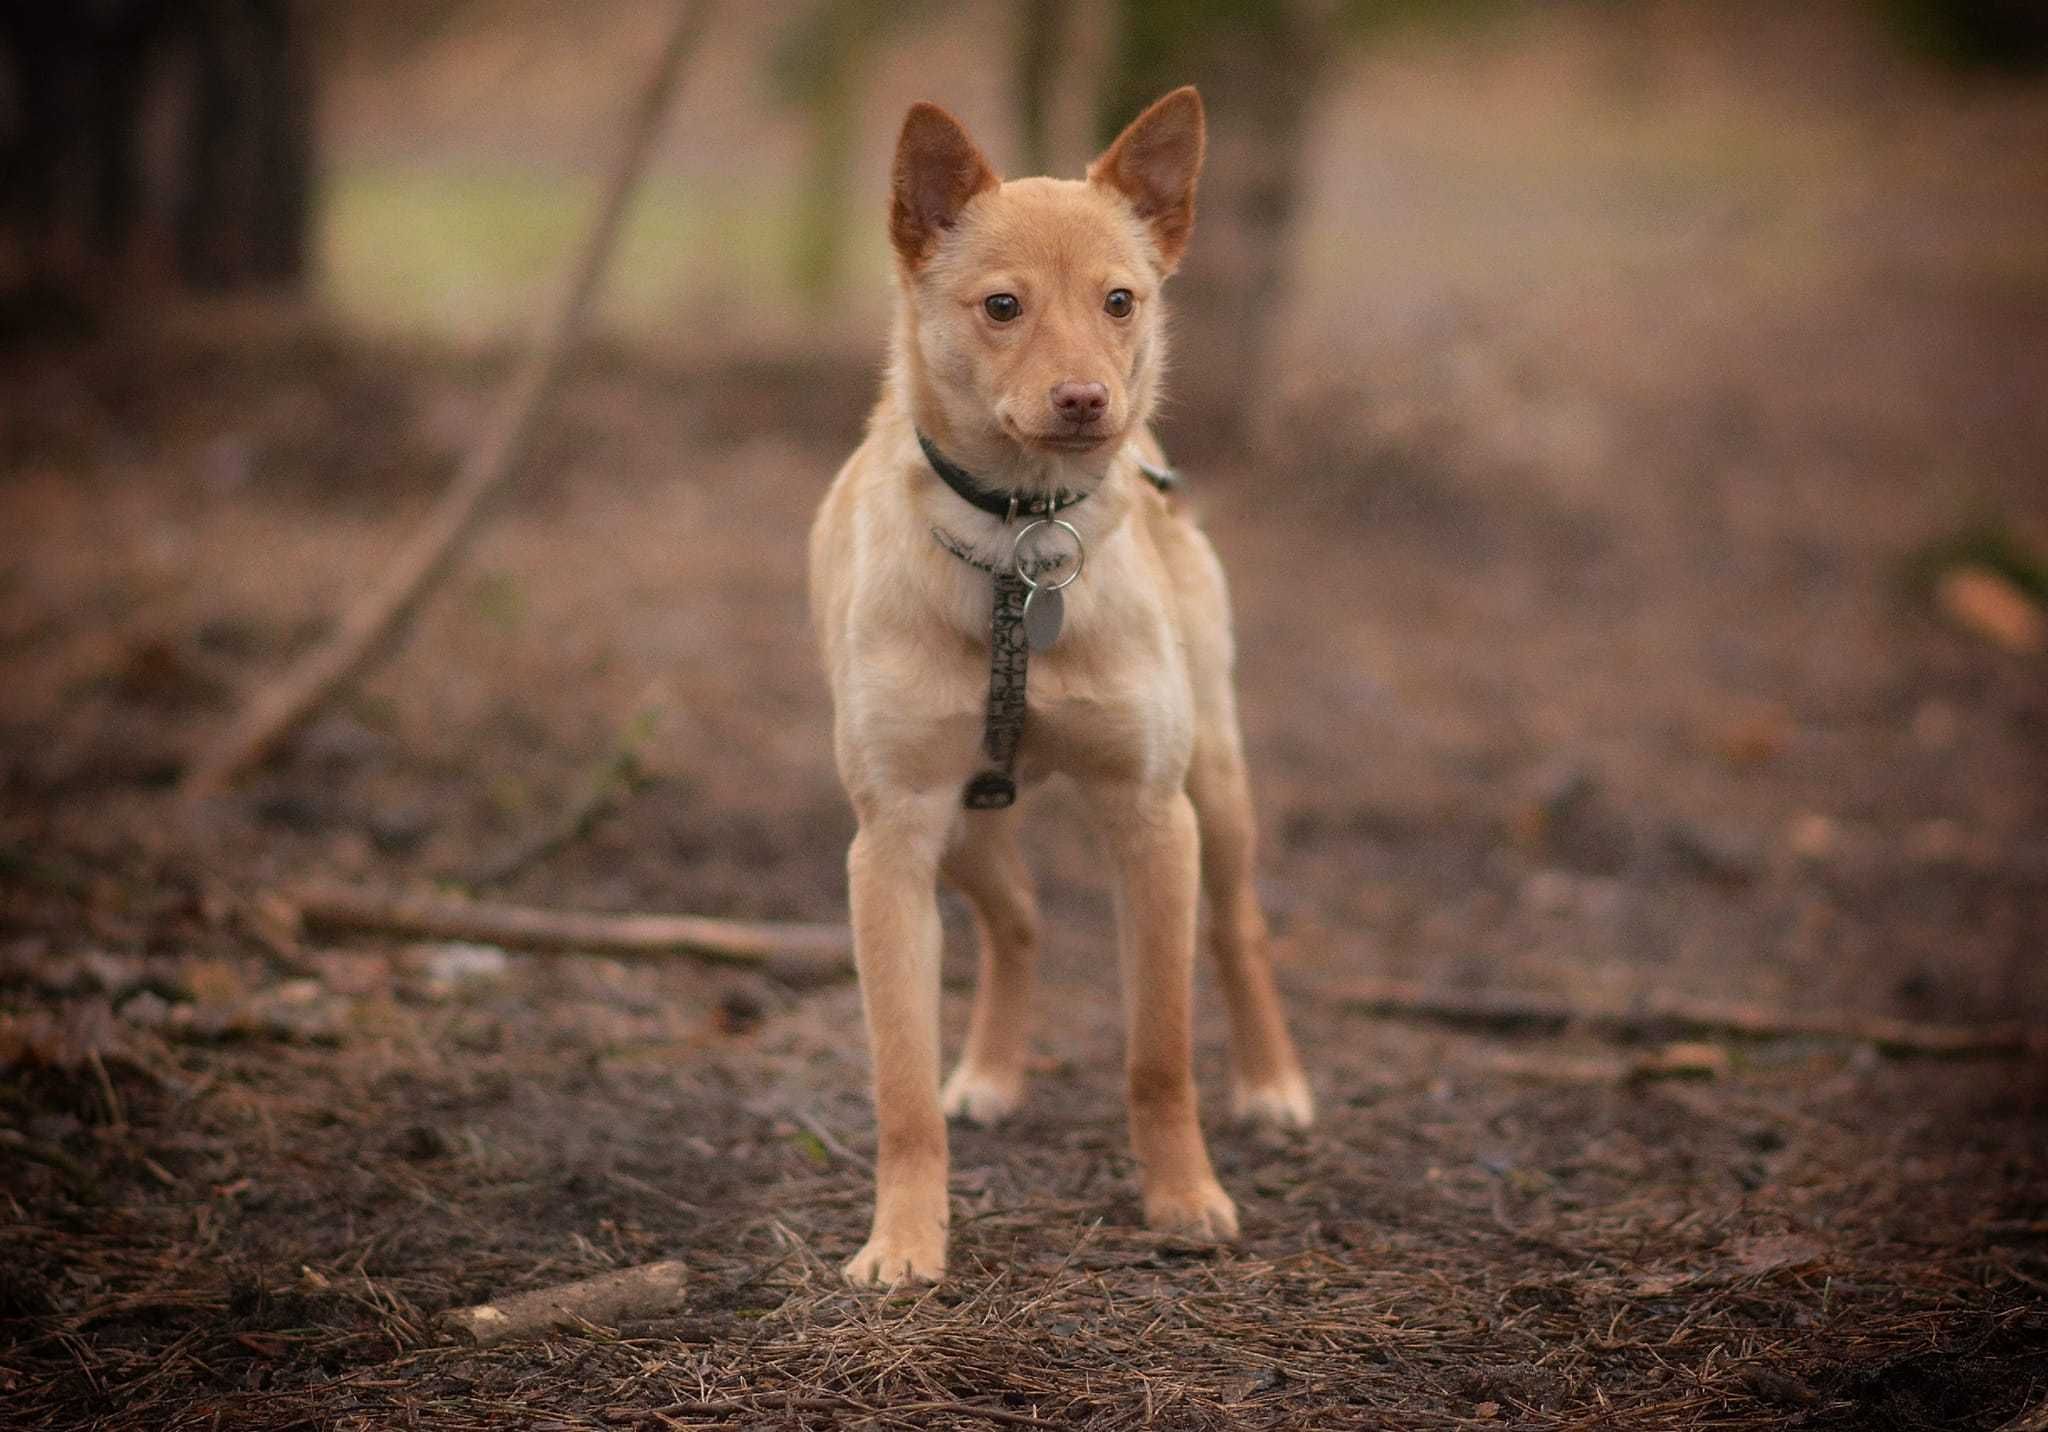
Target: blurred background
x: 1624, y: 423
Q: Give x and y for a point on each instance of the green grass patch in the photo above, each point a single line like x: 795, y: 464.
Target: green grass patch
x: 476, y: 253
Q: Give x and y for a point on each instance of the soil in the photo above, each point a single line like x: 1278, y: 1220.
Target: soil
x: 1607, y: 678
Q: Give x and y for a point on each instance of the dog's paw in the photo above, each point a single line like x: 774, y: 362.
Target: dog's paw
x: 888, y: 1261
x: 1201, y: 1210
x: 980, y: 1097
x: 1283, y: 1103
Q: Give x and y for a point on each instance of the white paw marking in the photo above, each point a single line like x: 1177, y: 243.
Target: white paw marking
x: 980, y: 1098
x: 886, y: 1263
x: 1285, y: 1104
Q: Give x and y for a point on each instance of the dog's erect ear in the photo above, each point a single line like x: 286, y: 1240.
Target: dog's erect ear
x: 938, y: 170
x: 1154, y: 164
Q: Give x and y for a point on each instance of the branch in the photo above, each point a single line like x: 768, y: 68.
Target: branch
x: 609, y: 1298
x: 803, y: 950
x: 275, y: 711
x: 1530, y: 1013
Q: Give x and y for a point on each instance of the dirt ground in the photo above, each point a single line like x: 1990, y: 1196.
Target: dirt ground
x: 1585, y: 653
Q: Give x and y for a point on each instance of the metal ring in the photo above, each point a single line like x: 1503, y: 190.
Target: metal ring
x: 1080, y: 554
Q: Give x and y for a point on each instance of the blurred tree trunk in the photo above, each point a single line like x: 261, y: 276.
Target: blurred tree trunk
x: 1046, y: 30
x: 232, y: 206
x: 819, y: 65
x: 246, y: 199
x: 1056, y: 82
x: 1259, y: 66
x: 2010, y: 35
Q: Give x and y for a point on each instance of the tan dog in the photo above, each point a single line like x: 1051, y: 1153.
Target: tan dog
x: 1027, y: 352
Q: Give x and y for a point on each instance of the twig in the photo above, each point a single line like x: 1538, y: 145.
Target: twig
x: 276, y: 710
x: 832, y: 1145
x: 117, y: 1116
x: 1531, y: 1013
x: 812, y: 949
x: 815, y: 1127
x: 629, y: 1293
x: 643, y: 1187
x: 616, y: 773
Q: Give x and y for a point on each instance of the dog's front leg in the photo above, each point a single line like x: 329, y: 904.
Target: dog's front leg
x: 892, y: 872
x: 1153, y: 842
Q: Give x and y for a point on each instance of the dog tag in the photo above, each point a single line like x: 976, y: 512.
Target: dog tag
x: 1045, y: 610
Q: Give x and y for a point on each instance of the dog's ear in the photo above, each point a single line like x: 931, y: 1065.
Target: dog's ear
x: 938, y: 170
x: 1154, y: 164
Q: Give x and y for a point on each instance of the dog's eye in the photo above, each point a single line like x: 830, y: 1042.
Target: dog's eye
x: 1118, y: 304
x: 1002, y: 307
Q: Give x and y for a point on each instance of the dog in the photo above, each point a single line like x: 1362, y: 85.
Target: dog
x: 1002, y: 589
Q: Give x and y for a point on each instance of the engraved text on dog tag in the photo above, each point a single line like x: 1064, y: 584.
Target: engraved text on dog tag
x: 1045, y: 609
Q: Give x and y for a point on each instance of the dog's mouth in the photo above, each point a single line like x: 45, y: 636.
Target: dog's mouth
x: 1075, y: 442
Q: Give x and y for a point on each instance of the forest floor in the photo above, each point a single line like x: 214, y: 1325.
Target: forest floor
x: 245, y: 1173
x: 1587, y: 655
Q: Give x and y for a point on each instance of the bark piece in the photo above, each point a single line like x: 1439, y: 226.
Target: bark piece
x: 609, y: 1298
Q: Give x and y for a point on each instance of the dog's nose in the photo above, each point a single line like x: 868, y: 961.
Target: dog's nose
x: 1080, y: 402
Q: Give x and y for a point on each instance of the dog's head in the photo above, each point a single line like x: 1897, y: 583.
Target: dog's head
x: 1033, y: 307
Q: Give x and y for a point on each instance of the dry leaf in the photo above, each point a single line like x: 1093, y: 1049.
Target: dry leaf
x: 1813, y: 836
x: 1658, y: 1285
x: 1766, y: 1253
x: 1981, y: 601
x: 1754, y: 739
x: 214, y: 982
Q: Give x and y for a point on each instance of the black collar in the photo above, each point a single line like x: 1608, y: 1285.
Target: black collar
x: 994, y: 501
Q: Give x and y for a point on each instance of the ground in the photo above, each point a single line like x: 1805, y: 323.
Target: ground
x: 1585, y: 652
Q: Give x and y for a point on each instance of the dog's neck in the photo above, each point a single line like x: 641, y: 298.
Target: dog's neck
x: 996, y: 465
x: 1008, y: 503
x: 970, y: 530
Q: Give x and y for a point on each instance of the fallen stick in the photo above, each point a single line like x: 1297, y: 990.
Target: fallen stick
x: 277, y: 709
x: 1530, y: 1013
x: 797, y: 948
x: 644, y: 1292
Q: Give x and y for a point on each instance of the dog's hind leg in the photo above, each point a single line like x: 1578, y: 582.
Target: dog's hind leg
x: 1266, y: 1082
x: 985, y: 865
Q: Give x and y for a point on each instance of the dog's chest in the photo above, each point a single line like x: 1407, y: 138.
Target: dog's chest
x: 1110, y: 701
